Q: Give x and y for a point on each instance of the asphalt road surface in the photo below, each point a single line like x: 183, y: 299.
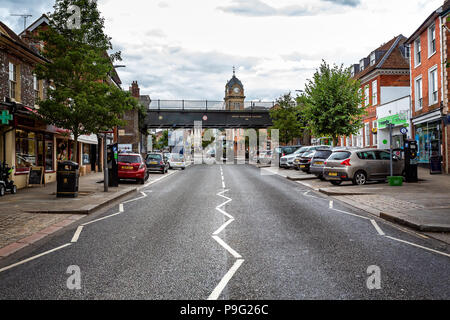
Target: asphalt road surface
x: 229, y: 232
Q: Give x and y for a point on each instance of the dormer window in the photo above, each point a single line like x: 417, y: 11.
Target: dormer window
x: 361, y: 65
x: 372, y: 59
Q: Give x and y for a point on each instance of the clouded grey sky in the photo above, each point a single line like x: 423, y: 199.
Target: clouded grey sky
x: 179, y: 49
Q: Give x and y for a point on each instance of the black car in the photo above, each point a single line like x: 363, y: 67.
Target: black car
x: 318, y: 162
x: 305, y: 161
x: 284, y: 151
x: 157, y: 162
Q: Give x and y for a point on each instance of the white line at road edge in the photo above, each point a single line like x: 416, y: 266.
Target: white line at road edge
x: 80, y: 228
x: 223, y: 283
x: 34, y: 257
x: 377, y: 227
x: 77, y: 234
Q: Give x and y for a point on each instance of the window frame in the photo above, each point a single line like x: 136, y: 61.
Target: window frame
x: 373, y: 59
x: 431, y: 31
x: 367, y: 134
x: 12, y: 83
x: 375, y: 136
x: 431, y: 94
x: 374, y: 92
x: 417, y: 52
x: 366, y: 95
x: 418, y: 106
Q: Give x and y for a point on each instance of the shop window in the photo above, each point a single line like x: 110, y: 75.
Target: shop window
x: 86, y: 153
x: 25, y: 150
x: 64, y: 150
x: 49, y: 155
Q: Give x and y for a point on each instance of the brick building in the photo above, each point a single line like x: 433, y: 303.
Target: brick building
x: 131, y: 138
x: 384, y: 77
x: 427, y: 88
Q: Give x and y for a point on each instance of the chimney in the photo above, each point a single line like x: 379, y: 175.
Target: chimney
x: 134, y: 89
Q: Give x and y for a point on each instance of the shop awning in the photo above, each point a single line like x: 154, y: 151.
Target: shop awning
x: 90, y: 139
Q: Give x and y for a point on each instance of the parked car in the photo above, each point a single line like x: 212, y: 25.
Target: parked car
x: 360, y: 166
x: 156, y: 162
x: 132, y: 166
x: 318, y: 162
x: 265, y: 157
x: 176, y: 161
x: 284, y: 151
x: 288, y: 160
x: 305, y: 161
x: 303, y: 151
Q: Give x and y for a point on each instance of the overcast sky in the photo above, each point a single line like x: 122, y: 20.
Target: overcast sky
x: 185, y: 49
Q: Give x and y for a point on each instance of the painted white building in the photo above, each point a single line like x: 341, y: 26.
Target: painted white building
x: 398, y: 113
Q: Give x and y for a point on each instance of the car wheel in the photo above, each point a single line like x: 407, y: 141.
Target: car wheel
x: 322, y: 178
x: 360, y: 178
x: 336, y: 183
x: 2, y: 190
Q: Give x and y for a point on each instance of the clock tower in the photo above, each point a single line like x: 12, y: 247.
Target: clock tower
x: 234, y: 94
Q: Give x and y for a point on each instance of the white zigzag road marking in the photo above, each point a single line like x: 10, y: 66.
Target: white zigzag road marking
x: 223, y: 283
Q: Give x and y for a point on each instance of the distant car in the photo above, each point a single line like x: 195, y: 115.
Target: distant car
x: 318, y: 162
x: 283, y: 152
x: 176, y: 161
x: 132, y: 166
x: 265, y: 157
x: 360, y: 166
x: 156, y: 162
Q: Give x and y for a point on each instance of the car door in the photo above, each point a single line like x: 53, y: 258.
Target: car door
x: 384, y: 159
x: 370, y: 164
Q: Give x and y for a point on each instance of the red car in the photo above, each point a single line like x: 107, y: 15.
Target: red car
x: 132, y: 166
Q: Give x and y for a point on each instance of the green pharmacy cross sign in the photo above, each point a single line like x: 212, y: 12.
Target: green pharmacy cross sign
x: 5, y: 117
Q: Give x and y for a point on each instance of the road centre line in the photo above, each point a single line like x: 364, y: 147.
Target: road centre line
x: 223, y: 283
x: 227, y: 247
x: 223, y: 227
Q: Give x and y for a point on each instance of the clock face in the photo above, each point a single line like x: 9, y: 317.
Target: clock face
x: 236, y: 90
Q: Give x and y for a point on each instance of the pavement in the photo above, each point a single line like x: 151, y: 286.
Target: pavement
x: 230, y: 233
x: 34, y: 213
x: 423, y: 206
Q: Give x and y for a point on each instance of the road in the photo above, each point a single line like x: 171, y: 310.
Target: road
x: 272, y: 239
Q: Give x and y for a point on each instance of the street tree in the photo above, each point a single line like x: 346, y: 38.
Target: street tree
x: 285, y: 117
x: 81, y: 97
x: 332, y: 102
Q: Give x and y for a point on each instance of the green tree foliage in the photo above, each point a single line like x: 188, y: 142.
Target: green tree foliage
x: 332, y: 100
x: 81, y: 97
x: 285, y: 117
x: 162, y: 142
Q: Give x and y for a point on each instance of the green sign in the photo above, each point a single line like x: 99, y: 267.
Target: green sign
x: 5, y: 117
x: 395, y: 120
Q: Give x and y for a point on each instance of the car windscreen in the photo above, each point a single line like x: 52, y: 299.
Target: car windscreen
x: 303, y: 149
x: 176, y: 157
x: 340, y: 155
x: 322, y: 154
x: 129, y: 159
x: 154, y: 157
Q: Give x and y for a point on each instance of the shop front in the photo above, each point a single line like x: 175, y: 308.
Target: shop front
x: 87, y: 151
x: 32, y: 145
x: 428, y: 135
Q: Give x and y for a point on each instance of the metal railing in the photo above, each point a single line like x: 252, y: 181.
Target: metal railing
x: 207, y: 105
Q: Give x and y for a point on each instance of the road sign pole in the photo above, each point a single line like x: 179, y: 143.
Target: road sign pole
x: 105, y: 164
x: 391, y: 149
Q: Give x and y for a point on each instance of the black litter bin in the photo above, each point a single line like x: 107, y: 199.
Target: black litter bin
x: 67, y: 179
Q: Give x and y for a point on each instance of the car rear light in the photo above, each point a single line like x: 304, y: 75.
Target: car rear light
x: 325, y: 163
x: 346, y: 163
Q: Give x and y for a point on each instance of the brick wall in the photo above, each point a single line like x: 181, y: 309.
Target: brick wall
x: 423, y: 69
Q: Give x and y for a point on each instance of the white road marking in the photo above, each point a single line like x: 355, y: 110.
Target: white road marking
x: 223, y: 283
x: 225, y: 213
x: 331, y: 204
x: 34, y: 257
x: 144, y: 195
x: 76, y: 236
x: 121, y: 207
x: 223, y: 227
x: 101, y: 219
x: 418, y: 246
x: 227, y: 247
x: 377, y: 227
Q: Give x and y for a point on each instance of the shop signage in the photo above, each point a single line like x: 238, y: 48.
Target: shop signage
x: 403, y: 130
x: 5, y: 117
x: 395, y: 120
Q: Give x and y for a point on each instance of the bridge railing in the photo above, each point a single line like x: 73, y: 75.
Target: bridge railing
x: 206, y: 105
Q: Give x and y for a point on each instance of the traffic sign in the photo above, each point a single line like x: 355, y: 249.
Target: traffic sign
x: 403, y: 130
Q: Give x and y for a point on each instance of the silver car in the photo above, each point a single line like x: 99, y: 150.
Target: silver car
x: 360, y: 166
x: 176, y: 161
